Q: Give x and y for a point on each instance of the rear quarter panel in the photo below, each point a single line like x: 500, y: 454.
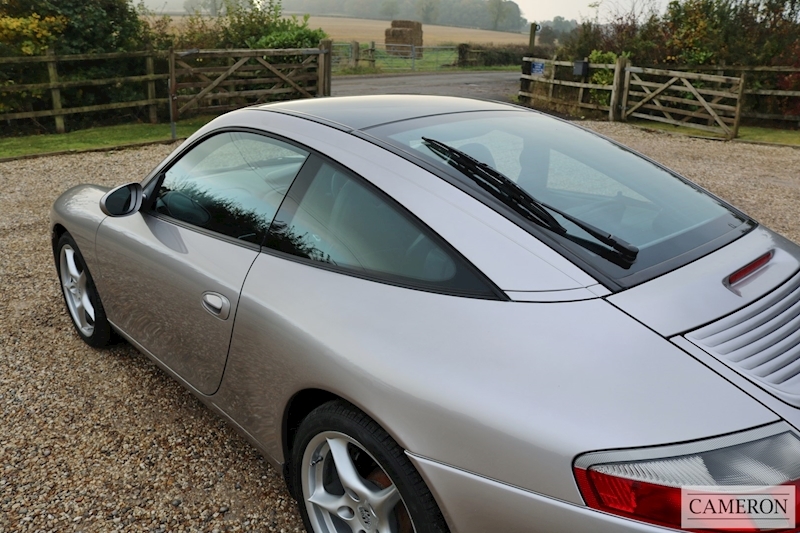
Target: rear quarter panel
x: 507, y: 390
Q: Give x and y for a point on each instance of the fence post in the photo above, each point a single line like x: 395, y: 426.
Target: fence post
x: 173, y: 94
x: 739, y: 105
x: 413, y: 58
x: 151, y: 86
x: 372, y: 54
x: 580, y: 90
x: 324, y: 67
x: 626, y: 87
x: 525, y: 83
x: 355, y: 54
x: 52, y: 73
x: 617, y: 89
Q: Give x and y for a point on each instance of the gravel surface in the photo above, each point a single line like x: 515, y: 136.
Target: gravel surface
x: 492, y: 85
x: 102, y: 440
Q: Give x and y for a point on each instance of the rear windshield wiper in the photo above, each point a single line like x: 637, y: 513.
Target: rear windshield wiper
x: 507, y: 191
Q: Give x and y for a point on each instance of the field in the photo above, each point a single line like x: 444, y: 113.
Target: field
x: 342, y: 29
x: 364, y: 31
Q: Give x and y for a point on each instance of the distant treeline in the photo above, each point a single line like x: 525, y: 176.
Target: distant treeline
x: 484, y: 14
x: 555, y: 30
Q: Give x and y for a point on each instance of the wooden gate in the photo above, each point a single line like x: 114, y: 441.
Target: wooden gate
x: 219, y: 80
x: 702, y: 101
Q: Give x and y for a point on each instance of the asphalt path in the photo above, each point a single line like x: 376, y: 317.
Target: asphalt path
x: 494, y: 85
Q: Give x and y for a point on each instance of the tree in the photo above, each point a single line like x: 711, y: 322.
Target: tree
x: 547, y: 35
x: 428, y: 10
x: 91, y: 25
x: 497, y: 11
x: 562, y: 25
x: 390, y: 9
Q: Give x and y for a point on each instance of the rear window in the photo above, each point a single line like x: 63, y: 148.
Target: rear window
x: 669, y: 219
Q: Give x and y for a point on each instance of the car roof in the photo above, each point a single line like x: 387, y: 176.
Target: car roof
x: 362, y: 112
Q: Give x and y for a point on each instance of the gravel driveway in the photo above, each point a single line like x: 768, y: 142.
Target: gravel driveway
x: 491, y: 85
x: 100, y: 440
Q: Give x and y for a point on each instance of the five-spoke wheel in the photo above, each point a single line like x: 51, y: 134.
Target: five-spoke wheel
x: 80, y: 294
x: 354, y: 478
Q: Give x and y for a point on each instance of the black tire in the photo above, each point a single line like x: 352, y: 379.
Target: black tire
x: 338, y: 427
x: 80, y: 294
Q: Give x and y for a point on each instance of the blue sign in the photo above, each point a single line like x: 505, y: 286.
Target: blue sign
x: 537, y: 69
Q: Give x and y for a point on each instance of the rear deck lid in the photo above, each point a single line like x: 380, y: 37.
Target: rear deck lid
x: 700, y: 294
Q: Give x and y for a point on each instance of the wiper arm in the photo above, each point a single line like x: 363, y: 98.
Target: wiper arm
x: 507, y: 191
x: 496, y: 184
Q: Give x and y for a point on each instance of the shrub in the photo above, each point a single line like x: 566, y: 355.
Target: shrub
x: 602, y: 76
x: 290, y: 33
x: 490, y: 55
x: 29, y: 35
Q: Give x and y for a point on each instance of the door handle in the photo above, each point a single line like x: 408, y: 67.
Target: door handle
x: 217, y: 305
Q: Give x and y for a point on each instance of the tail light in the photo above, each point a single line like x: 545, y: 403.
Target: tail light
x: 646, y: 484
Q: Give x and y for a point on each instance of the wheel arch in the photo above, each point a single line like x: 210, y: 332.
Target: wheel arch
x: 297, y: 408
x: 56, y: 233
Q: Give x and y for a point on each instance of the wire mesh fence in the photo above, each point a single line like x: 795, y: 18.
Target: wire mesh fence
x: 392, y: 57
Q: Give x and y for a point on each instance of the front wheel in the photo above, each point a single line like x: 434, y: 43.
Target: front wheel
x: 80, y: 294
x: 352, y: 477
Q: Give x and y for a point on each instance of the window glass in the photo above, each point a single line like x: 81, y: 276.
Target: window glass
x: 231, y: 183
x: 336, y: 219
x: 586, y: 177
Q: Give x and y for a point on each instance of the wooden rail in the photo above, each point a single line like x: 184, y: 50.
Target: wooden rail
x: 548, y: 78
x: 240, y: 77
x: 704, y: 99
x: 55, y: 85
x: 255, y: 76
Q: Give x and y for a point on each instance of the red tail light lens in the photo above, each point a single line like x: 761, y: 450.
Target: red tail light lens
x: 657, y: 504
x: 650, y: 490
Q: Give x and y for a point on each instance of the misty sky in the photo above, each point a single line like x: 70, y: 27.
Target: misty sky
x: 579, y: 9
x: 547, y: 9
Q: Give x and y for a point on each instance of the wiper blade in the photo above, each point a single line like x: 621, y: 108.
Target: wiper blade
x: 507, y: 191
x: 496, y: 184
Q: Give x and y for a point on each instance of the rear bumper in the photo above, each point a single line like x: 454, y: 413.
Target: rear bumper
x: 474, y: 504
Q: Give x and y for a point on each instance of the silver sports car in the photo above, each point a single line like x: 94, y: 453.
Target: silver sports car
x: 439, y: 314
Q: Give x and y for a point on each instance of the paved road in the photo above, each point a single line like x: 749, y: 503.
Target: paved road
x: 498, y: 85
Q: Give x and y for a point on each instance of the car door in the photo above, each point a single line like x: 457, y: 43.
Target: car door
x: 171, y: 274
x: 339, y: 257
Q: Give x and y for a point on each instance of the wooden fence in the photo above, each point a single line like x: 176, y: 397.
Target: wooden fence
x: 702, y: 101
x: 198, y: 80
x: 229, y: 79
x: 547, y: 73
x: 712, y: 102
x: 55, y: 85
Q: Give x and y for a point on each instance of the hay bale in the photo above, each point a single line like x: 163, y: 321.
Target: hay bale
x: 403, y: 34
x: 410, y: 24
x: 398, y: 41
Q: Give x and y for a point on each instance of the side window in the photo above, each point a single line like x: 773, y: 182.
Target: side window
x: 231, y: 183
x: 332, y: 217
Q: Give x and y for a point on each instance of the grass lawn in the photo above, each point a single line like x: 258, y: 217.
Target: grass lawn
x: 110, y: 136
x: 96, y: 137
x: 746, y: 133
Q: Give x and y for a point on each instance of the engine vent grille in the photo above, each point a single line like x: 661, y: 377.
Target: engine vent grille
x: 761, y: 341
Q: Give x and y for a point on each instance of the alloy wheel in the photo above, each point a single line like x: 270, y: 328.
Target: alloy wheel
x: 347, y: 491
x: 74, y: 282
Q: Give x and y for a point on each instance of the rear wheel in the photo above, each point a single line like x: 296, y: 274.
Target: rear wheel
x: 80, y: 294
x: 352, y: 477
